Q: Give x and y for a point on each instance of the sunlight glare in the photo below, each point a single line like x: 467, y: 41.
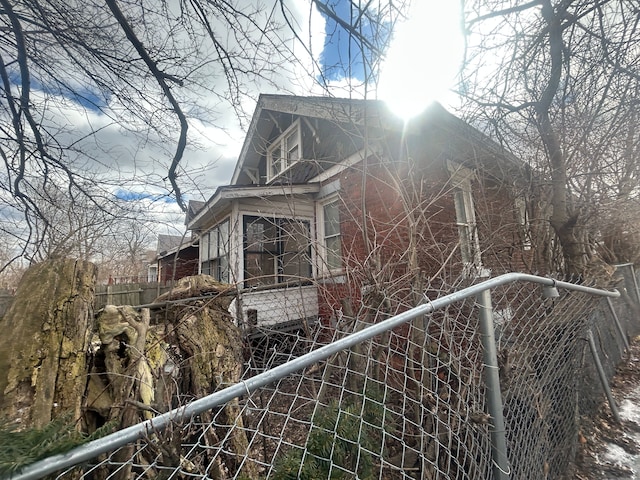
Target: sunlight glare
x: 423, y: 58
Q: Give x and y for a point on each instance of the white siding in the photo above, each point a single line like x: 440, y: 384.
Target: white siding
x: 293, y: 208
x: 280, y: 305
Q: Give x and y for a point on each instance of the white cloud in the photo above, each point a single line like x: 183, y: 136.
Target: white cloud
x: 115, y: 143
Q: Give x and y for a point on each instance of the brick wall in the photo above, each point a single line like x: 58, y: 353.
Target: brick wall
x: 186, y: 265
x: 384, y: 259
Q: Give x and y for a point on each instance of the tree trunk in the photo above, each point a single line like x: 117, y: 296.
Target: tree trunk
x: 44, y: 342
x: 565, y: 217
x: 138, y: 367
x: 144, y: 367
x: 212, y: 349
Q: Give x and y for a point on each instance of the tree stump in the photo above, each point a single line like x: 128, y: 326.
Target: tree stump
x: 145, y: 366
x: 45, y: 341
x: 212, y: 358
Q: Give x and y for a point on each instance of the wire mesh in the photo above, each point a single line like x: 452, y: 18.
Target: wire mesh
x: 407, y: 404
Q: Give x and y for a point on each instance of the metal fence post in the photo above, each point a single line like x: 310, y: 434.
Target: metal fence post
x: 603, y: 377
x: 618, y: 325
x: 501, y: 468
x: 630, y: 280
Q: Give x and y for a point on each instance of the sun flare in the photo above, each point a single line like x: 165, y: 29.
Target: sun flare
x: 423, y: 58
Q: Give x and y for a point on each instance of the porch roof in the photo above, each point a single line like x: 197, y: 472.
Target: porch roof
x: 226, y: 194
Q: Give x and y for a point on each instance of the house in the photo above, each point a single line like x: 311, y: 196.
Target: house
x: 176, y: 257
x: 335, y: 204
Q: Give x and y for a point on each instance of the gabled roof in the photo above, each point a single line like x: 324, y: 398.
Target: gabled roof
x: 170, y: 244
x: 354, y: 115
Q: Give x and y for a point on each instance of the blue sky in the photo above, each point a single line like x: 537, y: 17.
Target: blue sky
x: 88, y: 99
x: 342, y: 54
x: 131, y: 196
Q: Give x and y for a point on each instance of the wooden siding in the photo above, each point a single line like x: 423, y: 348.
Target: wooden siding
x: 133, y: 294
x: 276, y: 306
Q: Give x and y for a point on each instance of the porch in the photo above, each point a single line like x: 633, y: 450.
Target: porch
x: 281, y: 307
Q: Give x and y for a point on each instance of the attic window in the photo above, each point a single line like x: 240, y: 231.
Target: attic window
x: 284, y: 151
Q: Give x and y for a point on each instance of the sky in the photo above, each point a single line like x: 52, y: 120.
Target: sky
x: 424, y: 54
x: 423, y: 58
x: 420, y: 66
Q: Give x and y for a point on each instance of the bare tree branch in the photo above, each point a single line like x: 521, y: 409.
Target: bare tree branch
x: 161, y: 78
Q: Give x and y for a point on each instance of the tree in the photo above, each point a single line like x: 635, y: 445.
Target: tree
x: 557, y: 83
x: 125, y: 248
x: 70, y: 226
x: 76, y: 77
x: 98, y: 228
x: 44, y: 358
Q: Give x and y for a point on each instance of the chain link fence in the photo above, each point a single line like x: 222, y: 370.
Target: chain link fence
x: 406, y: 401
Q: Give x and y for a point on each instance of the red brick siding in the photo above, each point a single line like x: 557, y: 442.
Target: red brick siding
x: 186, y: 265
x: 433, y: 212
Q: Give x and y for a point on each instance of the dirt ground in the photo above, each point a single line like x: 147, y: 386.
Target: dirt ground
x: 602, y: 434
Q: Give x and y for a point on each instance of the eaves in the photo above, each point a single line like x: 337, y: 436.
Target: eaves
x: 226, y: 194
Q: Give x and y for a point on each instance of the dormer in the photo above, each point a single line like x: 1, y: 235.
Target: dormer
x: 293, y: 139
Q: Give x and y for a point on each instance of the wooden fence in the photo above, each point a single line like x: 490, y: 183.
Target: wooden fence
x: 119, y: 294
x: 128, y: 294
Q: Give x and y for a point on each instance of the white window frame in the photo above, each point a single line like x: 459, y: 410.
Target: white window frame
x: 522, y: 216
x: 323, y: 252
x: 280, y: 144
x: 279, y: 250
x: 466, y: 220
x: 222, y: 250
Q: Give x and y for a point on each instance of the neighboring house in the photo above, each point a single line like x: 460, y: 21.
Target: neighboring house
x: 335, y: 199
x: 176, y: 257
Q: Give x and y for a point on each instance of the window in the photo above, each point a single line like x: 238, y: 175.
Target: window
x: 152, y: 273
x: 214, y: 252
x: 332, y: 241
x: 523, y: 221
x: 275, y: 250
x: 284, y: 151
x: 466, y: 220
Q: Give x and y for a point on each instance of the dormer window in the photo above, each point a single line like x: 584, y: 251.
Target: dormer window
x: 284, y: 151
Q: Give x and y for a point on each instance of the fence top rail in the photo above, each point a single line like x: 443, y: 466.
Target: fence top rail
x: 130, y: 434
